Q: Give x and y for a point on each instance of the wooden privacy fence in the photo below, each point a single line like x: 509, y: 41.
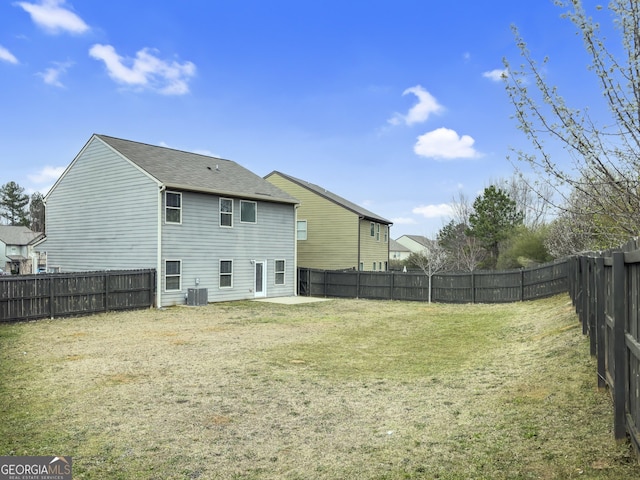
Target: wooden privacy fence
x: 605, y: 289
x: 469, y: 287
x: 27, y: 297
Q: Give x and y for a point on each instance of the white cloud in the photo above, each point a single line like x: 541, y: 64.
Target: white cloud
x: 446, y: 144
x: 47, y: 174
x: 420, y: 112
x: 146, y: 70
x: 403, y: 221
x: 51, y: 76
x: 51, y: 16
x: 434, y: 211
x: 496, y: 75
x: 7, y: 56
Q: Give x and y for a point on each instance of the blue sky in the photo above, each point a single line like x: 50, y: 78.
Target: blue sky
x: 395, y: 105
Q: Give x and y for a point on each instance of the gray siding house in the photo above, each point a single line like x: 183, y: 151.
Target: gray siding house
x: 200, y: 221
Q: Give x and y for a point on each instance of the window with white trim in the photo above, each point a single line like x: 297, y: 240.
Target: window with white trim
x: 226, y: 274
x: 279, y: 272
x: 373, y: 229
x: 301, y: 229
x: 377, y: 232
x: 226, y: 212
x: 248, y: 211
x: 386, y: 234
x: 172, y: 275
x: 173, y: 207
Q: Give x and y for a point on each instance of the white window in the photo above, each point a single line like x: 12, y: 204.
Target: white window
x: 373, y: 229
x: 226, y: 212
x: 173, y: 204
x: 374, y: 266
x: 279, y: 272
x: 302, y: 229
x: 386, y: 234
x: 248, y: 211
x: 377, y: 232
x: 361, y: 266
x: 172, y: 275
x: 226, y: 273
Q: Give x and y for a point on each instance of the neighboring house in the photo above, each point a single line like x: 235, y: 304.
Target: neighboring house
x: 334, y: 233
x: 200, y: 221
x: 397, y: 251
x: 414, y: 243
x: 17, y: 255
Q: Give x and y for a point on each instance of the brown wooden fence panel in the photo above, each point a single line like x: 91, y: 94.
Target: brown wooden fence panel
x: 605, y: 288
x: 468, y: 287
x: 27, y: 297
x: 453, y: 288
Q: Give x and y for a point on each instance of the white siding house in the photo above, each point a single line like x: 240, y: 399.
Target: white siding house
x: 200, y: 221
x: 414, y: 243
x: 16, y: 250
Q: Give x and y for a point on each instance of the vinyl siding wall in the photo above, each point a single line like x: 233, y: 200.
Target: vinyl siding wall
x: 373, y: 249
x: 101, y: 215
x: 199, y: 242
x: 332, y: 230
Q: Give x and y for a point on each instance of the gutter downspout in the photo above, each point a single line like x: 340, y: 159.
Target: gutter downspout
x: 159, y: 253
x: 295, y: 249
x: 360, y: 219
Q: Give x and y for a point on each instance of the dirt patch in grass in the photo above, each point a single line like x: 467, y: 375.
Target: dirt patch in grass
x: 338, y: 389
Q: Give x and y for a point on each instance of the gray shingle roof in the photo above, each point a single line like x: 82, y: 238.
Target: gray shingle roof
x: 11, y: 235
x: 191, y: 171
x: 397, y: 247
x: 335, y: 198
x: 422, y: 240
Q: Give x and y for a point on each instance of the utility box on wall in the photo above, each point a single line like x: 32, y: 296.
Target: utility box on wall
x: 197, y: 297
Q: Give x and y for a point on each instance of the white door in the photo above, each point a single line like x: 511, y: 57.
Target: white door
x: 260, y: 277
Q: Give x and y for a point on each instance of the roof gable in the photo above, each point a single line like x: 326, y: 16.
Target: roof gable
x: 337, y: 199
x: 201, y: 173
x: 12, y: 235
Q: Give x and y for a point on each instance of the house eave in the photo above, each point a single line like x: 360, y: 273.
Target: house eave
x: 227, y: 193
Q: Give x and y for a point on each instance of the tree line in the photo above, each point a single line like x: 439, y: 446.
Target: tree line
x: 507, y: 226
x: 19, y: 209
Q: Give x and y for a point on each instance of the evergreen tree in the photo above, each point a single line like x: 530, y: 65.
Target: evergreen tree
x: 36, y: 212
x: 493, y: 220
x: 13, y: 204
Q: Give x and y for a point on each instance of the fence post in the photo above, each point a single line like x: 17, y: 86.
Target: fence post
x: 473, y: 287
x: 584, y: 300
x: 619, y: 346
x: 393, y: 284
x: 600, y: 322
x: 106, y: 291
x: 51, y: 298
x: 591, y: 314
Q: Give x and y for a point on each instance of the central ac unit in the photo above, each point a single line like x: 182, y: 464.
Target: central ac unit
x: 197, y: 297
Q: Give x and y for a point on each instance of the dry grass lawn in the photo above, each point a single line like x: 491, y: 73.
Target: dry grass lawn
x: 334, y: 390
